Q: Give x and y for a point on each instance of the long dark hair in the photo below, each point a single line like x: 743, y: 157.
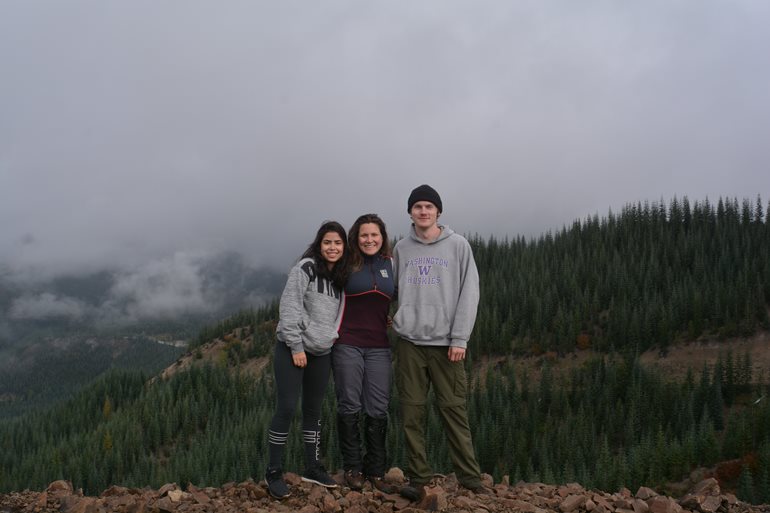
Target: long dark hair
x: 338, y: 273
x: 356, y: 256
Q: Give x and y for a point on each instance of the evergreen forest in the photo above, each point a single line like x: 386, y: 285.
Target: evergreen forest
x: 653, y: 275
x: 647, y: 277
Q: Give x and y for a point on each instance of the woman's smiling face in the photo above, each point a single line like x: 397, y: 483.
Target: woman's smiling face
x: 369, y: 239
x: 332, y: 248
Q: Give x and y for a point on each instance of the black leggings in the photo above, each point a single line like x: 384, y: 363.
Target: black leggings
x: 290, y: 380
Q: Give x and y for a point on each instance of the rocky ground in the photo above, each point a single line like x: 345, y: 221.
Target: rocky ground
x: 444, y: 494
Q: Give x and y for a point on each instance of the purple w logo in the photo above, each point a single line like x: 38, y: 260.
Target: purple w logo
x: 424, y: 269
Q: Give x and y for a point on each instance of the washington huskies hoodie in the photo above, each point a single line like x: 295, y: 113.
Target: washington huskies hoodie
x: 438, y: 289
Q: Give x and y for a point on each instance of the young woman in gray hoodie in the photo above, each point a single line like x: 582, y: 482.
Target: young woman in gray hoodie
x: 309, y: 316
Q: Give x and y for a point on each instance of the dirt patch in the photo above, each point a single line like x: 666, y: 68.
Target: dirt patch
x: 673, y: 364
x: 256, y: 366
x: 706, y: 352
x: 533, y: 366
x: 207, y: 353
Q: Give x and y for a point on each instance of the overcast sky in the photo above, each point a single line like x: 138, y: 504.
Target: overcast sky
x: 133, y: 131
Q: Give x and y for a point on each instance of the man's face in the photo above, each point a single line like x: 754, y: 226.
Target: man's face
x: 424, y: 214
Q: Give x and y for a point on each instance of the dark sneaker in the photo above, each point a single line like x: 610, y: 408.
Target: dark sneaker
x: 354, y: 479
x: 380, y: 484
x: 318, y: 475
x: 414, y: 492
x: 480, y: 490
x: 275, y: 483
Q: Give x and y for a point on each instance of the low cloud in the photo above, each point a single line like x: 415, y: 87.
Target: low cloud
x: 257, y: 298
x: 47, y: 306
x: 161, y: 289
x: 184, y: 284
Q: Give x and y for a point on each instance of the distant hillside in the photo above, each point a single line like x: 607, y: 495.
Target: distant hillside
x: 73, y: 328
x: 51, y: 370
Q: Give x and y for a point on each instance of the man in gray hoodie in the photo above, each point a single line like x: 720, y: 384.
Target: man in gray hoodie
x: 438, y: 294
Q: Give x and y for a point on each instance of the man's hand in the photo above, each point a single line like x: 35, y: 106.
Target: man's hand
x: 456, y: 354
x: 300, y: 359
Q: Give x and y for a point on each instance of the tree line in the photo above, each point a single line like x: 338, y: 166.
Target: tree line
x: 646, y: 277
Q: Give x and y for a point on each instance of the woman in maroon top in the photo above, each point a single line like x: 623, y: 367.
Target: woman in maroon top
x: 361, y: 358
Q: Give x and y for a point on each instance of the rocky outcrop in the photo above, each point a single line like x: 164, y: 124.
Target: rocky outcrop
x: 443, y: 494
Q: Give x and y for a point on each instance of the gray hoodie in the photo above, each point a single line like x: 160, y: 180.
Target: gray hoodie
x: 438, y: 289
x: 310, y: 311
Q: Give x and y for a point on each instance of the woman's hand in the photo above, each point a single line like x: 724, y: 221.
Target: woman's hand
x: 300, y: 359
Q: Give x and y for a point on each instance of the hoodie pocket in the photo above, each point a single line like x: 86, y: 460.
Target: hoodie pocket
x: 319, y: 337
x: 422, y: 322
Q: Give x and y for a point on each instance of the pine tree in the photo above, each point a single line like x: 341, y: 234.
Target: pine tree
x: 107, y: 409
x: 746, y: 485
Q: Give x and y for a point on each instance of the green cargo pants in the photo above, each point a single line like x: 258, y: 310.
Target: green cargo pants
x: 416, y: 368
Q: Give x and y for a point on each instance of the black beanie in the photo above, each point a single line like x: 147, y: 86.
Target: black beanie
x: 424, y: 193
